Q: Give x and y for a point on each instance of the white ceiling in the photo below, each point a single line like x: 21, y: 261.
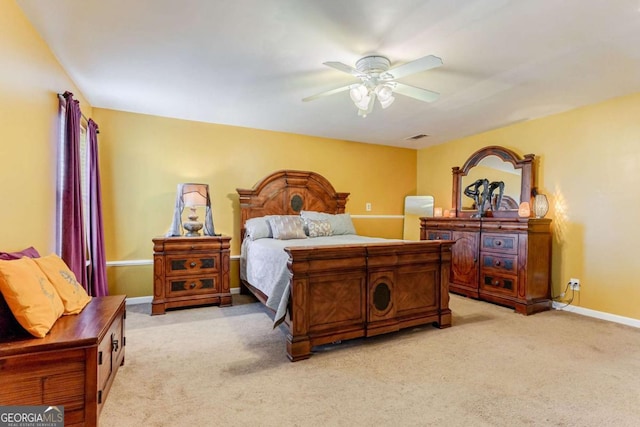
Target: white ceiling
x: 250, y: 62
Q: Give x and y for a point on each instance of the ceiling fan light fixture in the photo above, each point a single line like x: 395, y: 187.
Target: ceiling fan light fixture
x: 363, y: 104
x: 384, y: 92
x: 365, y: 109
x: 358, y: 93
x: 387, y: 102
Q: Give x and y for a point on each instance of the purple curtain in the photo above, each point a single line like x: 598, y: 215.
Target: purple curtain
x: 98, y: 272
x: 73, y: 238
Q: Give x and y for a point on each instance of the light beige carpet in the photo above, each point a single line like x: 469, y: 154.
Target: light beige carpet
x: 226, y: 367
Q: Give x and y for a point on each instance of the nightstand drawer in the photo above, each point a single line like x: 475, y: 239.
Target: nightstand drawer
x: 190, y: 244
x: 504, y: 264
x: 507, y: 243
x: 188, y: 264
x: 191, y: 286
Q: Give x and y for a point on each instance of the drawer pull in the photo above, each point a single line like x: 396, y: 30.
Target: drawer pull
x: 193, y: 285
x: 114, y: 345
x: 192, y: 247
x: 496, y: 283
x: 497, y: 263
x: 193, y: 264
x: 498, y: 242
x: 499, y: 226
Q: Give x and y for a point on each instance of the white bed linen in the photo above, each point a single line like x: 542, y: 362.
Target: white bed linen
x: 263, y: 264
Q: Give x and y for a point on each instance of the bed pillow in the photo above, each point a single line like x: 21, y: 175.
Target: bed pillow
x: 73, y: 296
x: 257, y: 228
x: 31, y: 297
x: 286, y: 227
x: 30, y: 252
x: 340, y: 223
x: 318, y: 227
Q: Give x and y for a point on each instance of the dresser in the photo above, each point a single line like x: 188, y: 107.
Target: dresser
x: 73, y: 366
x: 502, y: 260
x: 190, y: 271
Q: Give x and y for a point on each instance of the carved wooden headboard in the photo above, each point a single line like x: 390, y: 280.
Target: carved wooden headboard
x: 287, y: 192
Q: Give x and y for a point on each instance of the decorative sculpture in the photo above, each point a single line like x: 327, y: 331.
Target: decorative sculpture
x: 479, y: 197
x: 481, y: 191
x: 495, y: 203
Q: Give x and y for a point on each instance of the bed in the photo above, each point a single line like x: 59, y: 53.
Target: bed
x: 335, y: 287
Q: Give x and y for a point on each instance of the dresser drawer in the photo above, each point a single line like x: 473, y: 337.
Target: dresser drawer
x: 504, y: 264
x: 195, y: 263
x: 191, y: 286
x: 438, y: 235
x: 499, y: 284
x: 505, y: 243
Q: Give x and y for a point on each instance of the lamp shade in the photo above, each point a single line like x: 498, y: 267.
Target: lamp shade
x: 194, y: 194
x: 540, y: 205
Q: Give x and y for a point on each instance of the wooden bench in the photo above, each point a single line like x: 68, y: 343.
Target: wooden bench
x: 73, y: 366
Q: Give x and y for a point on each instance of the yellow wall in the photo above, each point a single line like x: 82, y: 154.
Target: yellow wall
x: 30, y: 78
x: 143, y: 158
x: 589, y: 166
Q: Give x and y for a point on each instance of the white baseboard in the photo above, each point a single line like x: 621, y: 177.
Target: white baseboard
x: 139, y: 300
x: 148, y: 299
x: 597, y: 314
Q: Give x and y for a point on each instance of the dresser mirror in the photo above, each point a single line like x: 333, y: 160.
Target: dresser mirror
x: 506, y: 178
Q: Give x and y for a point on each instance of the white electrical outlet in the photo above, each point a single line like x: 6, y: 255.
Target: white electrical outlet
x: 574, y: 284
x: 367, y: 207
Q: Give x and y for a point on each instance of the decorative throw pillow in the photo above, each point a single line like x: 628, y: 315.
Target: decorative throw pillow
x: 319, y: 227
x: 257, y: 228
x: 340, y: 223
x: 31, y: 297
x: 73, y: 296
x: 287, y: 227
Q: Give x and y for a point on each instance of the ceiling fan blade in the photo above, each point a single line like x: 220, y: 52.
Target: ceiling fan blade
x: 344, y: 68
x: 326, y: 93
x: 415, y: 92
x: 422, y: 64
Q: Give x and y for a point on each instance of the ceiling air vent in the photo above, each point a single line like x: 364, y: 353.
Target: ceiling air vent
x: 416, y: 137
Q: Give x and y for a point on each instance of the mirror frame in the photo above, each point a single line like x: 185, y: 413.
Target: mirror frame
x: 524, y: 163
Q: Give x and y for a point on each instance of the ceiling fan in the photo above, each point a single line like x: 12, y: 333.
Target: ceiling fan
x: 378, y: 81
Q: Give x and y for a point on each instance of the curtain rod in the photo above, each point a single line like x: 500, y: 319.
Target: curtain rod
x: 61, y: 97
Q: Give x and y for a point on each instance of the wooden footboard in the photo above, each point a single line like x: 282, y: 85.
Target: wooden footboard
x: 345, y: 292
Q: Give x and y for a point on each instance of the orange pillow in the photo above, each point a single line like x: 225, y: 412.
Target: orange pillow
x: 73, y: 295
x: 32, y: 299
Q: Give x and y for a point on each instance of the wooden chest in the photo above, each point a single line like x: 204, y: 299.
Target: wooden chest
x: 73, y: 366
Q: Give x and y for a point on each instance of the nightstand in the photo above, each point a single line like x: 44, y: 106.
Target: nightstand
x: 190, y: 271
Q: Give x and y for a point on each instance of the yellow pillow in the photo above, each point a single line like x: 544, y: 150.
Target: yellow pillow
x: 31, y: 297
x: 73, y: 295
